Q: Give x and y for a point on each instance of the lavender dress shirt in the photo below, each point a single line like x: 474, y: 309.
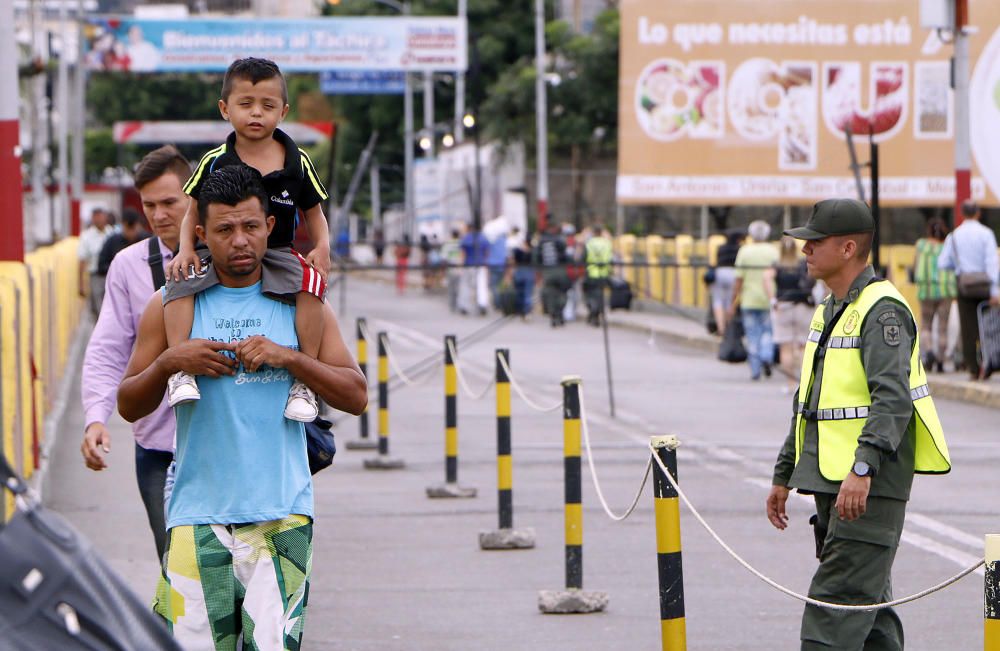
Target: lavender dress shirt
x: 128, y: 288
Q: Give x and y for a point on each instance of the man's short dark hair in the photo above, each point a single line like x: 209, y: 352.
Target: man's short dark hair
x: 157, y: 163
x: 969, y: 208
x: 231, y: 185
x: 130, y: 217
x: 864, y: 242
x: 255, y: 71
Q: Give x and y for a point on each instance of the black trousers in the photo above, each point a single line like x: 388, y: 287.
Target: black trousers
x: 968, y: 321
x: 151, y: 475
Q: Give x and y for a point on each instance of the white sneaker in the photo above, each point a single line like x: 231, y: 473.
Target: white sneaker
x: 301, y: 405
x: 181, y: 388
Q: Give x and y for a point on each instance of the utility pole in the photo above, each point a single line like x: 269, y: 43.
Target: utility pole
x: 376, y: 190
x: 429, y: 111
x: 463, y: 11
x: 408, y: 202
x: 79, y: 124
x: 541, y: 117
x: 62, y: 134
x: 960, y: 77
x: 11, y: 215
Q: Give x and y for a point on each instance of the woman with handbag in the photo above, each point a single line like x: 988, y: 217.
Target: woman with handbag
x: 935, y: 291
x: 971, y: 251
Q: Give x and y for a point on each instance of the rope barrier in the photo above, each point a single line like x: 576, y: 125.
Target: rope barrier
x: 809, y: 600
x: 525, y: 398
x: 475, y: 395
x: 399, y: 372
x: 593, y: 470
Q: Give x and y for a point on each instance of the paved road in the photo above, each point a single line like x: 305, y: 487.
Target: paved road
x: 395, y: 570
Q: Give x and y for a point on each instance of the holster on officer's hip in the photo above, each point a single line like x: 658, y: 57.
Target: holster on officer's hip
x: 819, y: 532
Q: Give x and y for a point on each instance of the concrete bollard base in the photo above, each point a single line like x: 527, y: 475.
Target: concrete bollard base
x: 559, y: 602
x: 507, y: 539
x: 362, y: 444
x: 450, y: 490
x: 384, y: 463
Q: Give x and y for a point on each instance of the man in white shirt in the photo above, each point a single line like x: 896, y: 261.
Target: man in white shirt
x: 88, y: 251
x: 972, y: 249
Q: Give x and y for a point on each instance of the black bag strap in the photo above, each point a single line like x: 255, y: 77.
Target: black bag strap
x: 156, y: 263
x: 10, y: 479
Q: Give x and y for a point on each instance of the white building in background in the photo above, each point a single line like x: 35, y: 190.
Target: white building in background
x: 581, y: 13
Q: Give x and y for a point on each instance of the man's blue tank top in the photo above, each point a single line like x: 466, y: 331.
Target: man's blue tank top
x: 238, y: 458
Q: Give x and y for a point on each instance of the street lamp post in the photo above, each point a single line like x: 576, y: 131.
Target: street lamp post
x: 541, y: 117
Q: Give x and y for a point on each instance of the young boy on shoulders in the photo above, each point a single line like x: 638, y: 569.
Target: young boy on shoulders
x: 255, y: 99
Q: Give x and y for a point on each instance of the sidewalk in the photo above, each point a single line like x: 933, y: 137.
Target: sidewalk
x: 673, y: 325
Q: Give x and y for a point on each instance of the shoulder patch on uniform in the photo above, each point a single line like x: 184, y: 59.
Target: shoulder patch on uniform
x: 890, y: 334
x: 889, y: 317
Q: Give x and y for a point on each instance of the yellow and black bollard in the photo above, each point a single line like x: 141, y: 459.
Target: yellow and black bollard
x: 573, y: 599
x: 383, y: 461
x: 668, y: 546
x: 506, y: 537
x: 450, y: 488
x: 365, y: 442
x: 991, y: 625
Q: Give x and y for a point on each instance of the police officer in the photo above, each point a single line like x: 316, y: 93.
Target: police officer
x: 864, y: 422
x: 597, y: 254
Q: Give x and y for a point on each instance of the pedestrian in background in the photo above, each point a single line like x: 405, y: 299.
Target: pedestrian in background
x: 496, y: 261
x: 524, y: 274
x: 451, y: 256
x: 131, y: 232
x: 378, y: 244
x: 598, y: 254
x: 935, y: 291
x: 793, y: 309
x: 133, y: 276
x: 723, y: 277
x: 88, y: 250
x: 863, y: 423
x: 402, y: 252
x: 971, y: 252
x: 753, y: 293
x: 473, y: 294
x: 574, y: 270
x: 550, y: 255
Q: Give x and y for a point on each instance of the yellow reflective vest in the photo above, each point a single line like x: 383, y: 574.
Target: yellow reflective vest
x: 844, y: 399
x: 599, y: 256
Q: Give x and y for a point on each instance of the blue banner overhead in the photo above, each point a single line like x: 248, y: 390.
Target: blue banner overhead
x: 367, y: 82
x: 424, y: 44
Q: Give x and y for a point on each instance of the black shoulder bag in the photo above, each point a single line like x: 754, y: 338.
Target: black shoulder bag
x: 156, y: 263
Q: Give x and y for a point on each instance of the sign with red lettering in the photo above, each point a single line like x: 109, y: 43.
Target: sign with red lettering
x: 741, y: 101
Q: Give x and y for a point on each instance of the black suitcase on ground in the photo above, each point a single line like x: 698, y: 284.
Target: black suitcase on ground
x: 57, y: 592
x: 621, y: 295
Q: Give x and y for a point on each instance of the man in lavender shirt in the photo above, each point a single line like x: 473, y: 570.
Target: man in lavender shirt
x: 159, y: 178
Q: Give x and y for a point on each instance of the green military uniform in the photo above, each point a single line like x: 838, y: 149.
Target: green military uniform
x: 894, y: 429
x: 857, y: 556
x: 599, y: 253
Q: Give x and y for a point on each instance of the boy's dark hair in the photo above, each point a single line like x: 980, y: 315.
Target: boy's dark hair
x: 231, y: 185
x: 255, y: 71
x: 157, y: 163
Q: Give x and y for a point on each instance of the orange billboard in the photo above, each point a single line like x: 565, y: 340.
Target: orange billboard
x: 743, y: 101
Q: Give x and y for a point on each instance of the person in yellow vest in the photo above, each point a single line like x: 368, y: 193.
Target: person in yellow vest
x: 598, y: 255
x: 864, y: 423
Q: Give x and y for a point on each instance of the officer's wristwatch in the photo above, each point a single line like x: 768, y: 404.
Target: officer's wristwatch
x: 862, y: 469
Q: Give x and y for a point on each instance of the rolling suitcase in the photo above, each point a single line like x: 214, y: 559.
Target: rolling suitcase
x: 989, y: 338
x: 56, y: 592
x: 621, y: 294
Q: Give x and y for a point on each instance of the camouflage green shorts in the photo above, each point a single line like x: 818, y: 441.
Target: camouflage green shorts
x: 221, y: 581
